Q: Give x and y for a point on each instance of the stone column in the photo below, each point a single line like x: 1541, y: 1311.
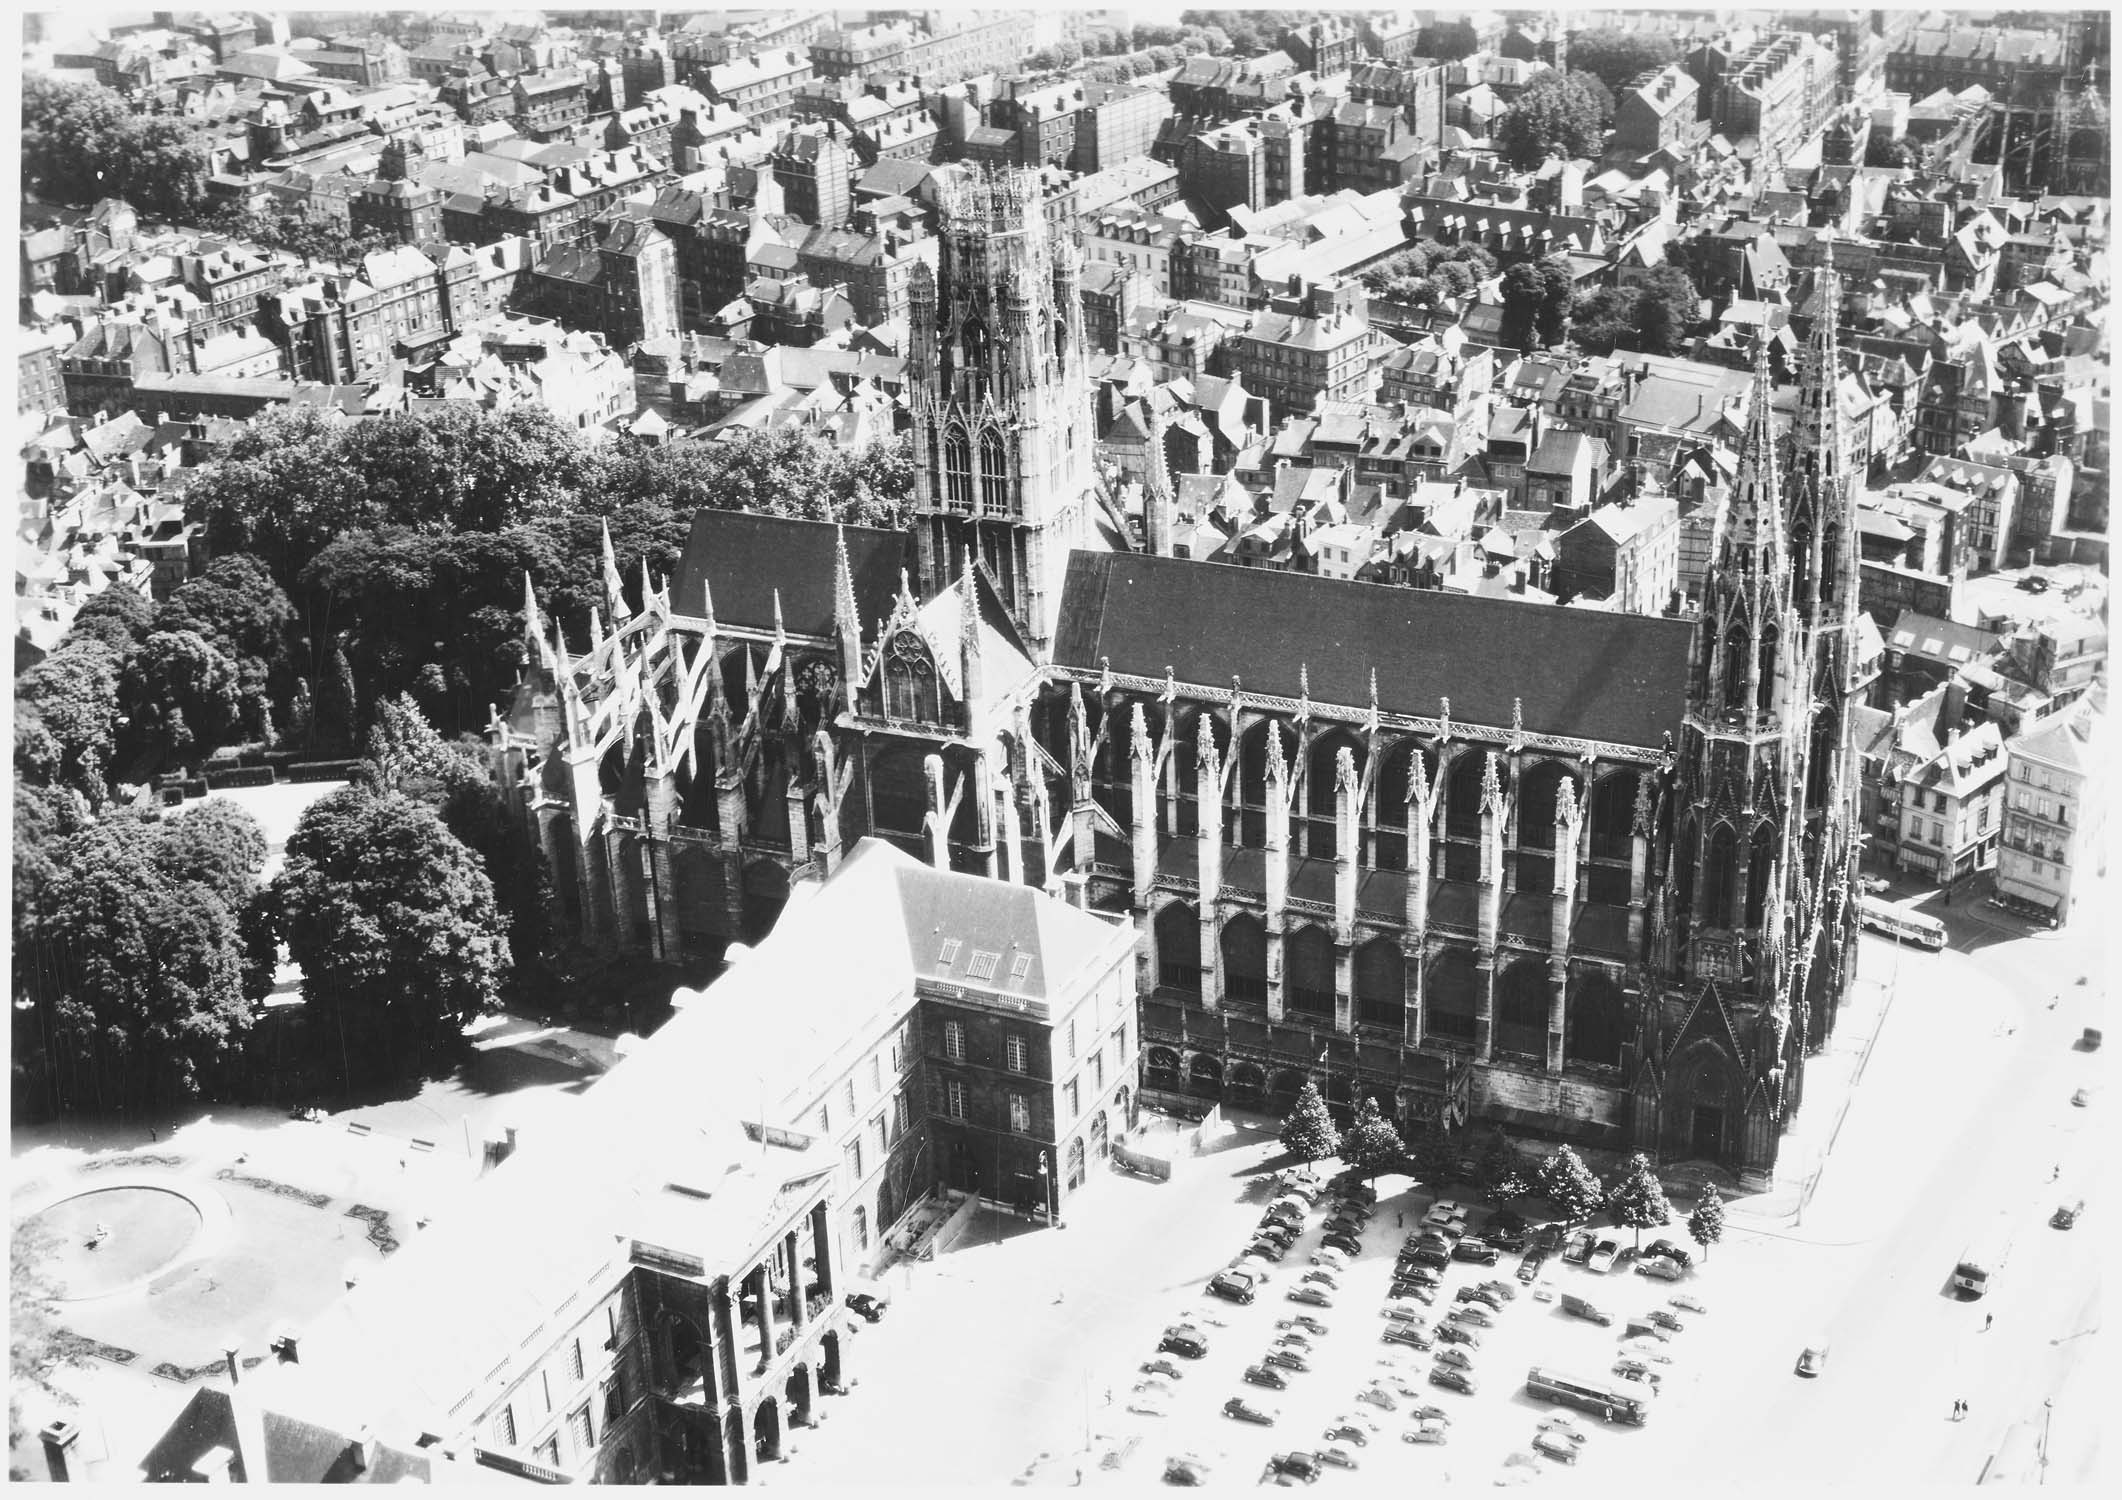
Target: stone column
x: 1208, y: 846
x: 982, y: 793
x: 799, y: 1299
x: 766, y: 1315
x: 937, y: 824
x: 821, y: 1245
x: 1422, y: 813
x: 1142, y: 760
x: 1563, y: 915
x: 1493, y: 811
x: 736, y: 1380
x: 1638, y: 868
x: 1346, y: 798
x: 627, y: 920
x: 798, y: 818
x: 594, y: 886
x: 1277, y: 865
x: 662, y: 884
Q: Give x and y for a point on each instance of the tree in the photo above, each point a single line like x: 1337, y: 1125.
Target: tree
x: 182, y: 697
x: 1638, y: 1198
x: 1503, y: 1173
x: 1667, y: 305
x: 66, y: 718
x: 120, y: 618
x: 393, y: 923
x: 1882, y: 150
x: 300, y: 232
x: 1526, y: 295
x: 1370, y: 1144
x: 1449, y: 41
x: 238, y: 608
x: 1615, y: 56
x: 1433, y: 1155
x: 140, y: 972
x: 82, y: 142
x: 1309, y: 1131
x: 216, y: 844
x: 1555, y: 115
x: 1705, y: 1226
x: 1568, y: 1184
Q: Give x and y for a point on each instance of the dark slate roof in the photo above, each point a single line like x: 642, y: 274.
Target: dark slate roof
x: 744, y: 558
x: 1615, y: 677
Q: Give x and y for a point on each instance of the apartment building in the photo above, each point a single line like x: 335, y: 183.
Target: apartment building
x: 2055, y: 822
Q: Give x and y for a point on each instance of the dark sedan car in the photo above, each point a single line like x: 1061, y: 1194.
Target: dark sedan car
x: 1238, y: 1409
x: 1487, y: 1296
x: 1411, y: 1334
x: 1429, y: 1255
x: 1304, y: 1466
x: 1285, y: 1359
x: 864, y: 1306
x: 1459, y: 1333
x: 1452, y: 1380
x: 1185, y: 1345
x: 1268, y: 1249
x: 1347, y: 1244
x: 1348, y: 1432
x: 1274, y: 1380
x: 1530, y: 1263
x: 1480, y: 1252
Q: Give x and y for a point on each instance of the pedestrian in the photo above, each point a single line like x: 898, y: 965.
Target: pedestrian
x: 151, y: 1134
x: 2054, y: 1172
x: 1397, y: 1222
x: 1989, y: 1322
x: 1956, y: 1410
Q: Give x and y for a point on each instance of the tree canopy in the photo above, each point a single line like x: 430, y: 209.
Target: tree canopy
x: 1655, y: 315
x: 1638, y: 1198
x: 1555, y: 115
x: 34, y: 1349
x: 1535, y: 295
x: 393, y: 923
x: 66, y: 717
x: 1309, y: 1131
x: 1429, y: 272
x: 1570, y: 1185
x: 1705, y: 1226
x: 1615, y: 56
x: 1370, y: 1144
x: 1503, y: 1172
x: 82, y: 142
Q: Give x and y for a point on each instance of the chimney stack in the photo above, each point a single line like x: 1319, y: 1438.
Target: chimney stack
x: 362, y: 1449
x: 59, y: 1439
x: 231, y: 1350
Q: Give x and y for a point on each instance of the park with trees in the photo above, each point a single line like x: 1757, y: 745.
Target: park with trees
x: 363, y: 606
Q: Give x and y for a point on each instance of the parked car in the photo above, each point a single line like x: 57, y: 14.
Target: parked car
x: 1311, y: 1296
x: 1259, y: 1267
x: 1473, y: 1315
x: 1500, y: 1287
x: 1421, y: 1291
x: 1153, y: 1402
x: 1645, y: 1328
x: 2082, y: 1098
x: 1529, y: 1264
x: 1459, y: 1333
x: 1294, y: 1340
x: 1451, y: 1379
x: 1602, y: 1256
x: 1649, y: 1349
x: 1232, y: 1286
x: 864, y: 1306
x: 1340, y: 1458
x: 1812, y: 1359
x: 1554, y: 1446
x: 1404, y: 1297
x: 1305, y: 1321
x: 1689, y: 1302
x: 1483, y: 1296
x: 1506, y: 1230
x: 1628, y: 1367
x: 1664, y: 1319
x: 1578, y: 1250
x: 1185, y: 1471
x: 1331, y: 1257
x: 1238, y: 1409
x: 1479, y: 1252
x: 1274, y: 1380
x: 1425, y: 1432
x: 1280, y: 1234
x: 1187, y: 1344
x: 1378, y: 1396
x: 1874, y: 885
x: 1670, y: 1251
x: 1163, y: 1368
x: 1347, y: 1244
x: 2066, y: 1214
x: 1431, y: 1256
x: 1349, y: 1184
x: 1347, y: 1432
x: 1267, y: 1249
x: 1455, y: 1357
x: 1659, y: 1269
x: 1578, y: 1307
x: 1320, y: 1276
x: 1427, y: 1275
x: 1414, y: 1335
x: 1563, y: 1427
x: 1286, y: 1359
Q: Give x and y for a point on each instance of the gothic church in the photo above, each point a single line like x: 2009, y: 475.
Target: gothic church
x: 1588, y: 876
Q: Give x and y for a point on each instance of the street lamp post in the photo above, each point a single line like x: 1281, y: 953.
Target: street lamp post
x: 2048, y: 1412
x: 1046, y: 1189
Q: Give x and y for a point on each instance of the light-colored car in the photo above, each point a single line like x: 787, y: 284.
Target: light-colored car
x: 1688, y: 1302
x: 1426, y: 1432
x: 1320, y: 1276
x: 1150, y: 1403
x: 1330, y: 1258
x: 1659, y: 1270
x: 1649, y: 1349
x: 1639, y: 1371
x: 1455, y: 1358
x: 1555, y: 1446
x: 1563, y: 1427
x: 1475, y: 1314
x: 1378, y: 1396
x: 1604, y: 1249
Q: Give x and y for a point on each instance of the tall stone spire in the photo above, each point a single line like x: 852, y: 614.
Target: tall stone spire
x: 1752, y: 534
x: 1820, y: 502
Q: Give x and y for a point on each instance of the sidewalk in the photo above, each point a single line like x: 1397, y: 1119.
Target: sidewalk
x: 1831, y: 1080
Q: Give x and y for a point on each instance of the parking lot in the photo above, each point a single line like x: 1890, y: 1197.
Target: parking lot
x: 1484, y: 1428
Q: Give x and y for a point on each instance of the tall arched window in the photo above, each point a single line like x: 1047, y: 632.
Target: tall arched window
x: 957, y: 471
x: 1719, y: 878
x: 861, y: 1221
x: 994, y: 475
x: 1735, y: 658
x: 1767, y: 691
x: 1760, y: 872
x: 910, y: 690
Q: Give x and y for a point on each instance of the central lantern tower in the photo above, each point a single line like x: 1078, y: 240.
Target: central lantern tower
x: 1002, y: 413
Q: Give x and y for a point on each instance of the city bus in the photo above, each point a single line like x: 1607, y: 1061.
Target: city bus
x: 1901, y: 926
x: 1978, y: 1268
x: 1615, y: 1400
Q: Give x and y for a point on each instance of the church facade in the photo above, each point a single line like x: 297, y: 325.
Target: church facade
x: 1587, y: 876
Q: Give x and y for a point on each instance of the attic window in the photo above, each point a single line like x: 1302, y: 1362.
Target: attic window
x: 982, y: 965
x: 949, y: 955
x: 1020, y: 968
